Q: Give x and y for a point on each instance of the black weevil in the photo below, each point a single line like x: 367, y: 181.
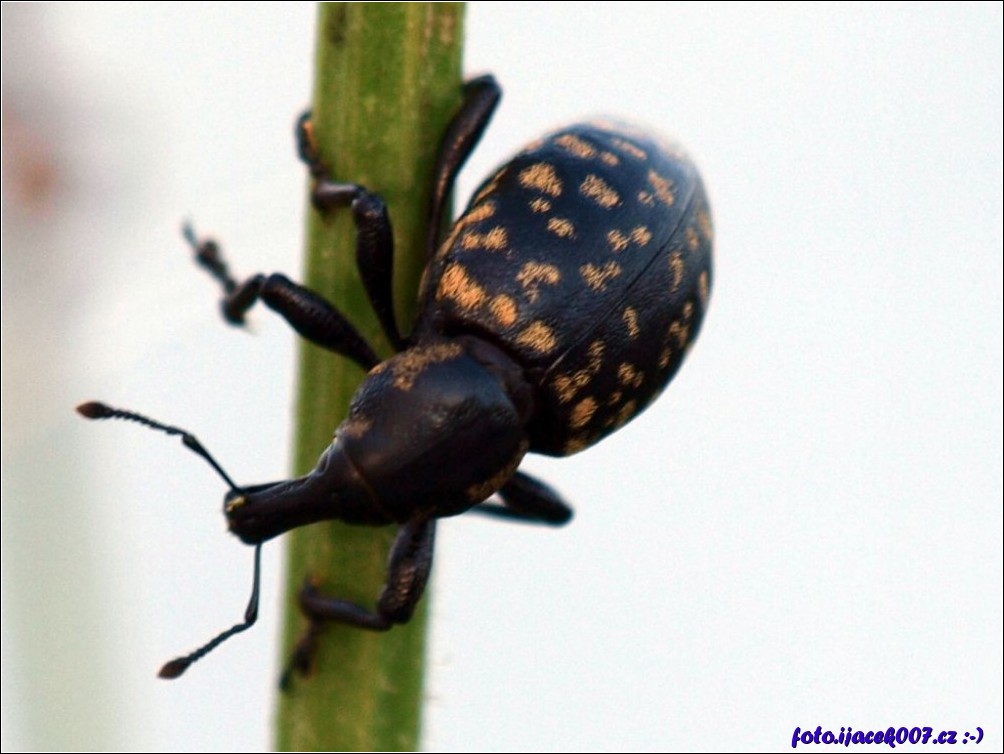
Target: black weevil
x: 560, y: 304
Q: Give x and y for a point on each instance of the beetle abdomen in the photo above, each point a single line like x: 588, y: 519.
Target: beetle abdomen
x: 588, y: 258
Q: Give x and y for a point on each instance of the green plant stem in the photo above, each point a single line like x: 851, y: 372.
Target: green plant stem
x: 387, y: 82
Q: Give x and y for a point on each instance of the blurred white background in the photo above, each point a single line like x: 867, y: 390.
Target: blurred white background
x: 805, y: 530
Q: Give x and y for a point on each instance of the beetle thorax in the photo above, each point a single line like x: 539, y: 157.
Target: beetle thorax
x: 438, y: 428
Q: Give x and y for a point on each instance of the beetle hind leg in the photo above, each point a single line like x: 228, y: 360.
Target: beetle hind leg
x: 480, y: 98
x: 408, y: 568
x: 528, y: 500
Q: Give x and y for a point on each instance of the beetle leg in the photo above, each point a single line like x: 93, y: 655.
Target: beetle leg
x: 481, y: 97
x: 374, y: 235
x: 375, y: 259
x: 408, y: 568
x: 309, y: 314
x: 529, y: 500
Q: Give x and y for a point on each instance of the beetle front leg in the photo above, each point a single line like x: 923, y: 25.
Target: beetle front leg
x: 528, y: 500
x: 408, y: 568
x: 374, y: 235
x: 306, y: 311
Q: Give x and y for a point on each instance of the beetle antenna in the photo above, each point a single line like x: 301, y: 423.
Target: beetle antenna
x: 176, y: 667
x: 96, y: 410
x: 207, y: 254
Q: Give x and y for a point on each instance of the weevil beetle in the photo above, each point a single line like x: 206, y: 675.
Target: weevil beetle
x: 558, y: 306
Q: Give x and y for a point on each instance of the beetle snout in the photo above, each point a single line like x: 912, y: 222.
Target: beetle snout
x: 241, y: 518
x: 233, y: 501
x: 333, y: 490
x: 260, y: 512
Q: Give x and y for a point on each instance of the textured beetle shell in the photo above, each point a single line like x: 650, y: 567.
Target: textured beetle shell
x: 588, y: 258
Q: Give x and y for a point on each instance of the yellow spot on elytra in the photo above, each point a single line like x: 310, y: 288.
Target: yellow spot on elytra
x: 679, y: 331
x: 576, y: 146
x: 617, y: 240
x: 677, y: 267
x: 575, y: 444
x: 615, y: 398
x: 663, y: 188
x: 534, y: 274
x: 456, y: 285
x: 495, y: 239
x: 504, y: 310
x: 540, y: 205
x: 646, y: 198
x: 478, y: 492
x: 595, y: 355
x: 627, y: 411
x: 408, y: 365
x: 630, y: 317
x: 703, y: 288
x: 566, y: 386
x: 597, y: 277
x: 595, y: 188
x: 541, y: 177
x: 692, y: 240
x: 630, y: 148
x: 537, y: 337
x: 641, y: 235
x: 664, y: 358
x: 478, y: 213
x: 704, y: 223
x: 561, y: 227
x: 582, y: 413
x: 629, y: 376
x: 609, y: 158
